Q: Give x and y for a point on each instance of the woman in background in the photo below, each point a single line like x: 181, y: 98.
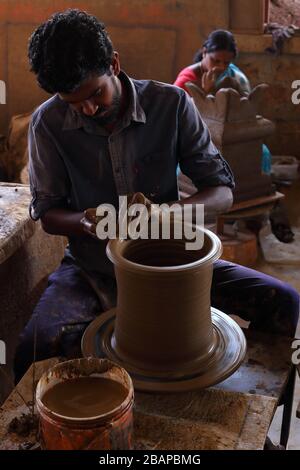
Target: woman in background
x: 213, y: 66
x: 213, y: 69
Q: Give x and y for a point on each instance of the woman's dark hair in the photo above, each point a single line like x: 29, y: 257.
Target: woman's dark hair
x: 67, y: 48
x: 219, y: 40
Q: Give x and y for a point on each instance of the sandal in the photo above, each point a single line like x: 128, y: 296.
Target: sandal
x: 280, y: 224
x: 282, y: 232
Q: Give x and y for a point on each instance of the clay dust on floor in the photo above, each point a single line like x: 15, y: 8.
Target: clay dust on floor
x: 290, y: 274
x: 24, y: 425
x: 286, y: 272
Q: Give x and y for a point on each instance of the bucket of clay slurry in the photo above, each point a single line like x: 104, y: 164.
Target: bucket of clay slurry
x: 85, y: 404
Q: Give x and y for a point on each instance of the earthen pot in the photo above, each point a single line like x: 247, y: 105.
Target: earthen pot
x: 163, y: 330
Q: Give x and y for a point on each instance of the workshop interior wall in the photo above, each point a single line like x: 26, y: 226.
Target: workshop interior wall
x: 155, y: 38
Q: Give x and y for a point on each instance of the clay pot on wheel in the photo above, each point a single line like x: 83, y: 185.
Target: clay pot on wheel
x: 163, y: 330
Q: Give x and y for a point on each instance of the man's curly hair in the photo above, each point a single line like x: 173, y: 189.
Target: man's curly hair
x: 68, y: 48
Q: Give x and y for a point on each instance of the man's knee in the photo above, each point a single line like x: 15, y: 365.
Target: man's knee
x: 290, y: 301
x: 279, y: 308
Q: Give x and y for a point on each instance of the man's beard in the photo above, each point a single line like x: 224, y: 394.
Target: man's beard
x: 109, y: 114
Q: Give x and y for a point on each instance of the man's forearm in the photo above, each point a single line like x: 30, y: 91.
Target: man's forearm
x: 216, y: 199
x: 63, y: 222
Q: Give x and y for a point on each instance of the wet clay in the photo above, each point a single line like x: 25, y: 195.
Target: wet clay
x: 85, y: 397
x: 164, y: 295
x: 163, y: 331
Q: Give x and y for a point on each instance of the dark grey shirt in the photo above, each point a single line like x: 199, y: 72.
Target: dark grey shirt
x: 76, y: 164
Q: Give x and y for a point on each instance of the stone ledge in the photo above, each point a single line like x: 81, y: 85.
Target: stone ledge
x: 257, y: 43
x: 16, y: 225
x: 30, y: 256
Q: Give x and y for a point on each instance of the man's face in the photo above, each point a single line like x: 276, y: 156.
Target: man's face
x: 98, y: 97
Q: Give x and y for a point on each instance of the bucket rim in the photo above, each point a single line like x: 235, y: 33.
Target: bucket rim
x: 96, y: 419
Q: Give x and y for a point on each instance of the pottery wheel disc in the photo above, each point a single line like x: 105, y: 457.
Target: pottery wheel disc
x: 225, y: 358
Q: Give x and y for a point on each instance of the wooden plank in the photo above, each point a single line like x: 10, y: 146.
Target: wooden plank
x: 15, y: 406
x: 251, y: 22
x: 205, y: 419
x: 257, y: 422
x: 259, y: 201
x: 266, y: 367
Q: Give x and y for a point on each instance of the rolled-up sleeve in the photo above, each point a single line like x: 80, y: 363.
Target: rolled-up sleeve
x: 199, y: 159
x: 49, y: 182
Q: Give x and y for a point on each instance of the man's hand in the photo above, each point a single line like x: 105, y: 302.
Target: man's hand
x: 216, y: 200
x: 70, y: 223
x: 89, y: 222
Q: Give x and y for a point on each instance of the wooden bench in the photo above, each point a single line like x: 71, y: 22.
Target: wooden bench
x: 235, y: 414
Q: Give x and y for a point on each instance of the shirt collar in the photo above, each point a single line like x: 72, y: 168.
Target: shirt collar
x: 135, y: 111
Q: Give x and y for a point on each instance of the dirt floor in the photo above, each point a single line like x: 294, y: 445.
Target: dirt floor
x: 290, y: 274
x: 287, y: 273
x: 285, y: 12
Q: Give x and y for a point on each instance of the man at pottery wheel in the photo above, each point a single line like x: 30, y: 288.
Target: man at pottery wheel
x: 101, y: 135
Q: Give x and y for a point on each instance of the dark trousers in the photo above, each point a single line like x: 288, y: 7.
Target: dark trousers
x: 69, y: 304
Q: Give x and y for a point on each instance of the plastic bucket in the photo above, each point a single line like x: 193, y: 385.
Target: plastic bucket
x: 111, y: 430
